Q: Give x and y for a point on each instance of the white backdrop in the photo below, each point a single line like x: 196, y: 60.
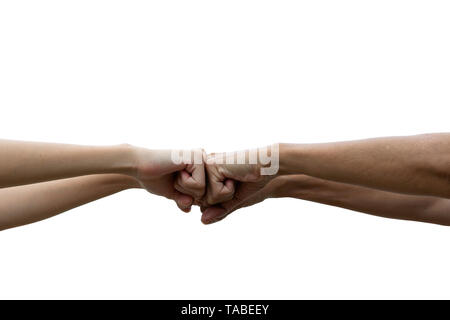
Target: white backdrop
x: 222, y: 75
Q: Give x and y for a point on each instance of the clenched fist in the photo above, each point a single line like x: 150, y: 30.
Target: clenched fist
x: 235, y: 178
x: 182, y: 181
x: 219, y: 183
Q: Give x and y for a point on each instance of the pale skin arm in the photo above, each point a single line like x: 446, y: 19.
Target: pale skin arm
x: 31, y: 203
x: 28, y: 171
x: 418, y: 165
x: 31, y: 162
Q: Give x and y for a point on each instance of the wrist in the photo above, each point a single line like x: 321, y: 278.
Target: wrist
x: 268, y: 161
x: 117, y: 182
x: 129, y: 182
x: 127, y: 163
x: 279, y: 187
x: 292, y: 159
x: 292, y: 186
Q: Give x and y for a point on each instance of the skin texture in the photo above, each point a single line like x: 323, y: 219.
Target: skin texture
x: 399, y: 177
x: 39, y: 180
x: 158, y: 174
x: 418, y: 165
x: 352, y: 197
x: 228, y: 185
x: 26, y: 204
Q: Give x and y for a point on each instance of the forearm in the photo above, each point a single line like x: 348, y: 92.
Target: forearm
x: 31, y: 162
x: 417, y: 165
x: 366, y: 200
x: 26, y: 204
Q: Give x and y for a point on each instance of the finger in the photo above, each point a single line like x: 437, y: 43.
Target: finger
x: 220, y: 182
x: 179, y: 184
x: 186, y: 183
x: 183, y: 201
x: 219, y: 191
x: 186, y: 210
x: 191, y: 180
x: 220, y: 188
x: 197, y: 169
x: 218, y: 213
x: 213, y: 214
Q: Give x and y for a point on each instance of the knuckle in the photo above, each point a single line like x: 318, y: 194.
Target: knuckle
x: 197, y: 185
x: 199, y: 193
x: 227, y: 193
x: 211, y: 199
x: 228, y: 197
x: 178, y: 187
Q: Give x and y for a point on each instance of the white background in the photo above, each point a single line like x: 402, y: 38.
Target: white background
x: 222, y: 75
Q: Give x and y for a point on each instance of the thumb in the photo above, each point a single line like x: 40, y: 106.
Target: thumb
x: 213, y: 214
x: 183, y: 201
x: 219, y: 212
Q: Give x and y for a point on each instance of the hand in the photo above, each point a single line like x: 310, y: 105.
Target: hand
x: 232, y: 186
x: 247, y: 194
x: 159, y: 174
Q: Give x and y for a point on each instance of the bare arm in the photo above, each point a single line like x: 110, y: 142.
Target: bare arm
x: 366, y: 200
x: 402, y: 178
x: 34, y: 166
x: 417, y: 165
x: 353, y: 197
x: 26, y: 204
x: 31, y: 162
